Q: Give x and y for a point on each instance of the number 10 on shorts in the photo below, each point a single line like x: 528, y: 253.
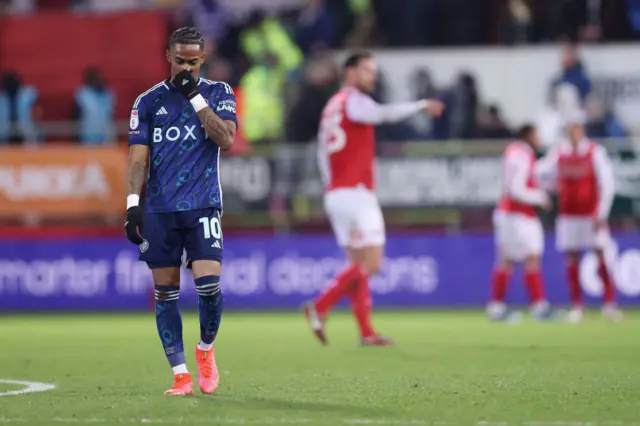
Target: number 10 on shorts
x: 211, y: 228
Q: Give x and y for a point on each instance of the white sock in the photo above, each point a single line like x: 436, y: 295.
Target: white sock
x: 180, y: 369
x: 204, y: 346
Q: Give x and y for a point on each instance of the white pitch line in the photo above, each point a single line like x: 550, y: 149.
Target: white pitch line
x: 31, y: 387
x: 295, y: 421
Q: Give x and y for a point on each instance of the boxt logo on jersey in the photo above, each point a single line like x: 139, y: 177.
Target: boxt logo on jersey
x: 174, y: 133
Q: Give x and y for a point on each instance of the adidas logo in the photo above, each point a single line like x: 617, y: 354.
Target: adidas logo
x: 184, y: 82
x: 216, y: 244
x: 162, y: 111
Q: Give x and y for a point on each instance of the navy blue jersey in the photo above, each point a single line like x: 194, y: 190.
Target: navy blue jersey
x: 184, y: 162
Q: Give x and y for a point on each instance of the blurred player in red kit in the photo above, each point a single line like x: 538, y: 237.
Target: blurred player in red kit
x: 346, y: 156
x: 519, y: 235
x: 583, y: 176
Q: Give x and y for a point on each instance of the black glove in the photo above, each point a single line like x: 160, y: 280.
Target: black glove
x: 186, y: 84
x: 133, y: 223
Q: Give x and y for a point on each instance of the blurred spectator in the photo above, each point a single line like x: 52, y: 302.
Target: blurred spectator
x: 564, y: 104
x: 491, y: 124
x: 262, y: 87
x: 320, y: 82
x: 274, y: 58
x: 601, y: 122
x: 265, y: 36
x: 95, y: 107
x: 19, y: 111
x: 422, y: 86
x: 464, y: 107
x: 573, y: 72
x: 313, y: 29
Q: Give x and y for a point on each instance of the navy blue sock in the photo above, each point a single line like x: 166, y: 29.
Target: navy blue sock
x: 210, y: 305
x: 169, y: 323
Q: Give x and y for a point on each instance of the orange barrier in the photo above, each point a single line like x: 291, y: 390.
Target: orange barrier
x: 62, y: 180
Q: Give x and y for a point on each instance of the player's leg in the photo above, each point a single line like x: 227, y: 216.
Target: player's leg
x: 571, y: 241
x: 339, y: 208
x: 203, y: 244
x: 507, y: 254
x: 572, y: 265
x: 369, y: 260
x: 161, y: 252
x: 532, y: 236
x: 602, y: 241
x: 366, y: 249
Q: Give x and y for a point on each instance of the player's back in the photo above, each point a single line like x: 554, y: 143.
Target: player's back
x: 184, y: 169
x: 346, y: 148
x: 517, y: 155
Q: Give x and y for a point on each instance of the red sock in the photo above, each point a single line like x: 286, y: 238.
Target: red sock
x: 499, y: 284
x: 535, y: 285
x: 573, y: 277
x: 344, y: 283
x: 607, y: 281
x: 361, y: 306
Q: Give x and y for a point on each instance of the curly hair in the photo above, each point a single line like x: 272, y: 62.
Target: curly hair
x: 186, y: 35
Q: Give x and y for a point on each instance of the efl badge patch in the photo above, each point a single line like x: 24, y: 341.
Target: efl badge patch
x: 133, y: 123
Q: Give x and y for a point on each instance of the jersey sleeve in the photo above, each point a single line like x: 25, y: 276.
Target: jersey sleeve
x: 139, y: 124
x: 360, y: 108
x: 546, y: 169
x: 606, y: 182
x: 224, y: 101
x: 517, y: 171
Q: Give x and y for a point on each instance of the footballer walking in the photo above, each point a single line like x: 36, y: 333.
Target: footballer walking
x: 346, y: 156
x: 177, y: 129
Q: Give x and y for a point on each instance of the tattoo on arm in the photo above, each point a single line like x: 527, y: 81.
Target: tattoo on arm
x: 222, y: 132
x: 136, y: 170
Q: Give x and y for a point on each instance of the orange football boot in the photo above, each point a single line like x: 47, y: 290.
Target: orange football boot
x: 182, y: 385
x: 208, y: 377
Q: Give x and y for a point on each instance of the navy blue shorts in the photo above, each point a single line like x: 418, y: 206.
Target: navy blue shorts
x: 196, y: 234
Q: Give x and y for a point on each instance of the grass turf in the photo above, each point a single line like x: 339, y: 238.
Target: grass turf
x: 447, y: 367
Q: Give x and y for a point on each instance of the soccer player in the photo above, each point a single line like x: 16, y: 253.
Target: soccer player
x: 179, y: 126
x: 583, y: 177
x: 346, y: 155
x: 518, y: 231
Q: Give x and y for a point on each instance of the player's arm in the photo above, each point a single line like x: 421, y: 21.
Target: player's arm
x: 517, y: 170
x: 606, y: 183
x: 546, y: 170
x: 136, y: 172
x: 222, y: 132
x: 136, y: 169
x: 360, y: 108
x: 225, y: 112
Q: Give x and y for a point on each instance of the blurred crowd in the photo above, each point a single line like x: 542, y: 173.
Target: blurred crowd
x: 275, y: 55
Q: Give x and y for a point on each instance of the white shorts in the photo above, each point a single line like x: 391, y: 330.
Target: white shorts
x: 355, y: 217
x: 578, y: 233
x: 517, y: 236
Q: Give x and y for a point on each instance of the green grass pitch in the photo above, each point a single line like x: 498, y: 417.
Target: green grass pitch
x: 448, y: 368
